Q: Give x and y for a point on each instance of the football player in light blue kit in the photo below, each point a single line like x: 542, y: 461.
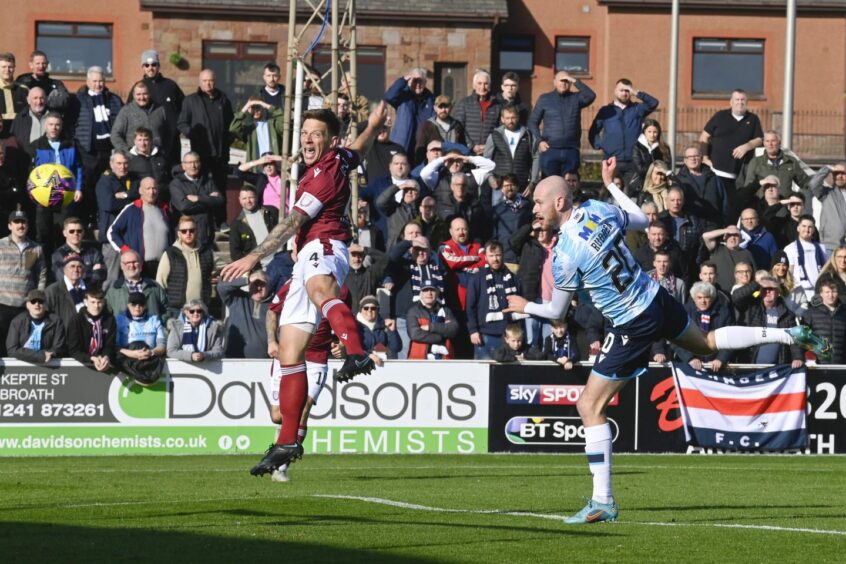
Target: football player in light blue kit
x: 591, y: 257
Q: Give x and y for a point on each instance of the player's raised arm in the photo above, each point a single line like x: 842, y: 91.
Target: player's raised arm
x: 375, y: 121
x: 637, y: 219
x: 277, y: 237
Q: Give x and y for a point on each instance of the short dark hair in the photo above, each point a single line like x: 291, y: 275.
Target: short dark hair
x: 143, y: 131
x: 659, y: 224
x: 510, y: 108
x: 510, y: 178
x: 272, y: 67
x: 662, y: 253
x: 37, y: 53
x: 70, y: 220
x: 828, y: 284
x: 807, y: 216
x: 328, y: 117
x: 625, y: 81
x: 95, y: 292
x: 7, y: 57
x: 493, y: 245
x: 573, y: 171
x: 709, y: 264
x: 248, y: 187
x: 510, y: 75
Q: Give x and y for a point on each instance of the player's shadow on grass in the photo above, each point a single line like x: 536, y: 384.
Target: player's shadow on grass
x: 25, y: 542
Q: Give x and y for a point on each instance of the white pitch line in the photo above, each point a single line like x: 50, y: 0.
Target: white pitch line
x: 416, y: 507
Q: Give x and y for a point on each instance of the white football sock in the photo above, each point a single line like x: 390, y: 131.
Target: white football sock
x: 598, y: 450
x: 733, y: 337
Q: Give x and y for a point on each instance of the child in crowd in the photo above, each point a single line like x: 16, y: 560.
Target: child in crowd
x: 561, y: 346
x: 514, y: 348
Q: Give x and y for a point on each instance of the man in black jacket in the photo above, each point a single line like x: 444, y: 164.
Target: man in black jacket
x: 827, y: 317
x: 165, y: 93
x: 27, y: 126
x: 704, y: 193
x: 94, y: 270
x: 194, y: 193
x: 205, y: 119
x: 65, y: 296
x: 478, y: 112
x: 658, y: 239
x: 92, y: 333
x: 252, y: 225
x: 55, y: 92
x: 36, y: 336
x: 364, y: 280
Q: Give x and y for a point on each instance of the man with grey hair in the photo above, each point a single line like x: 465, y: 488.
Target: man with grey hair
x: 205, y: 119
x: 478, y: 112
x: 96, y: 111
x: 414, y: 104
x: 28, y: 124
x: 709, y: 312
x: 774, y: 161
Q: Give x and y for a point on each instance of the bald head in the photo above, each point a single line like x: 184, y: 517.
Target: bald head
x: 207, y: 81
x: 553, y: 203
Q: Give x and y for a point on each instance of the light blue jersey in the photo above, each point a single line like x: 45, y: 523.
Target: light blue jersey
x: 591, y: 256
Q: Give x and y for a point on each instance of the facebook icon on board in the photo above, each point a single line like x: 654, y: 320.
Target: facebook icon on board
x: 547, y: 394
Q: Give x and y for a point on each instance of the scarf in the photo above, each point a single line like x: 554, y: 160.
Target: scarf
x: 562, y: 347
x: 101, y: 116
x: 431, y: 273
x: 659, y: 195
x: 495, y: 299
x: 96, y: 344
x: 515, y: 205
x: 369, y: 324
x: 748, y: 238
x: 132, y: 287
x: 194, y: 340
x: 818, y: 254
x: 705, y: 321
x: 36, y: 326
x: 437, y: 352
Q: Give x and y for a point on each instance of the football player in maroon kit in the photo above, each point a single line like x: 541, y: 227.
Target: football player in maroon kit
x: 319, y: 222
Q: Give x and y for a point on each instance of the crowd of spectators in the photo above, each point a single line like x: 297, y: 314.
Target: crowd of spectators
x: 127, y: 274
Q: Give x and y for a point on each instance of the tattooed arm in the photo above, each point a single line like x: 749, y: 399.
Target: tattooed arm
x: 271, y: 321
x: 275, y: 239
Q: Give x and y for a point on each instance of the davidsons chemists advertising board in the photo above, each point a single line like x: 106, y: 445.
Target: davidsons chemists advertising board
x: 224, y: 407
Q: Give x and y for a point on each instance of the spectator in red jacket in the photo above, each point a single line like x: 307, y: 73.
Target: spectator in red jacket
x: 461, y: 258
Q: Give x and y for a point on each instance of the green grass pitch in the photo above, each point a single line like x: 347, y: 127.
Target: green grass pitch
x: 481, y: 508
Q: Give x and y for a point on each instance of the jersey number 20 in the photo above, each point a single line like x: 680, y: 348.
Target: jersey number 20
x: 617, y: 265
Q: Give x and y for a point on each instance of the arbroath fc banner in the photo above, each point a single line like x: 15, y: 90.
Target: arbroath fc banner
x: 764, y: 410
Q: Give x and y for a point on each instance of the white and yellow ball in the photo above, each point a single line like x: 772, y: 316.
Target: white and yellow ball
x: 51, y: 185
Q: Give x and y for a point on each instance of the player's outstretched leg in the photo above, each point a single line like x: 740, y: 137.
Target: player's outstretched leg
x: 292, y: 398
x: 738, y: 338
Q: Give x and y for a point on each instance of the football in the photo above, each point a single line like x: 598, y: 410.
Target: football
x: 51, y: 185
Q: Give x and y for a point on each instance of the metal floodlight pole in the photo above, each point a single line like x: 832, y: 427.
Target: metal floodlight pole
x: 286, y: 126
x: 674, y: 72
x: 333, y: 97
x: 352, y: 85
x: 789, y: 61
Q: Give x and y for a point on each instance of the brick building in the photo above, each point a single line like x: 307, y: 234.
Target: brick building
x: 722, y: 43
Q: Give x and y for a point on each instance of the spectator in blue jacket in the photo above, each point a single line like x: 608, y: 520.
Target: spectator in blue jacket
x: 115, y: 190
x: 756, y: 239
x: 143, y: 227
x: 54, y: 147
x: 414, y: 104
x: 561, y: 114
x: 375, y: 336
x: 487, y: 292
x: 617, y: 126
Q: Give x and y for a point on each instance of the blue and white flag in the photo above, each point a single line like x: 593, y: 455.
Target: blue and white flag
x: 764, y: 410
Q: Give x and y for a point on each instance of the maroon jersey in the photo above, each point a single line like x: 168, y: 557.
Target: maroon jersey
x: 322, y: 195
x: 321, y: 341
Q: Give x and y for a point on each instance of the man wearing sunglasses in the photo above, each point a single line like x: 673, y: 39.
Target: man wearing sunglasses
x: 186, y: 268
x: 94, y: 267
x: 22, y: 268
x: 163, y: 92
x: 36, y: 336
